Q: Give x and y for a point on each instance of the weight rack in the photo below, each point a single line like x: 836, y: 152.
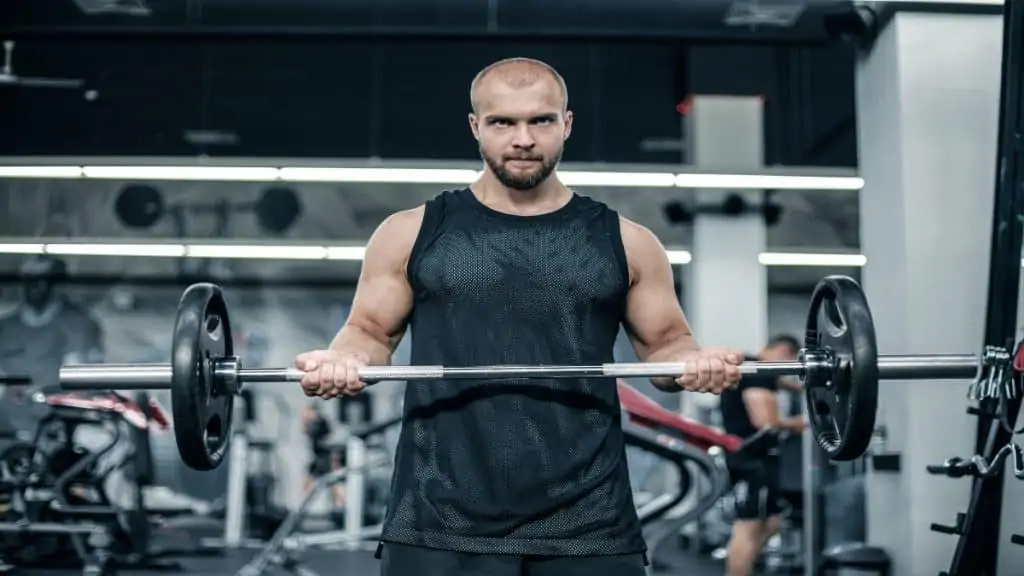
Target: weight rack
x: 977, y: 550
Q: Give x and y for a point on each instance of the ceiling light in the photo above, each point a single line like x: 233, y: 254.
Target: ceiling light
x: 441, y: 176
x: 799, y: 259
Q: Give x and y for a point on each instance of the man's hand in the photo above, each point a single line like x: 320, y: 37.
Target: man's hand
x: 710, y: 370
x: 330, y: 374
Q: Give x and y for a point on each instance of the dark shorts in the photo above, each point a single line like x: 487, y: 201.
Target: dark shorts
x: 756, y: 488
x: 399, y: 560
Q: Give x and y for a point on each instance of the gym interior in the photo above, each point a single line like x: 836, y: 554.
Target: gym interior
x: 792, y: 158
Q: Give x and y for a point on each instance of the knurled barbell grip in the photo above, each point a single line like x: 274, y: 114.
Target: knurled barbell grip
x: 371, y: 374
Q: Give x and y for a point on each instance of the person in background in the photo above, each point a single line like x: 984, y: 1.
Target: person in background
x: 746, y: 410
x: 324, y: 460
x: 43, y: 332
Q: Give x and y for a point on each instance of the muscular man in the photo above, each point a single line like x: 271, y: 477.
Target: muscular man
x: 747, y: 409
x: 513, y: 476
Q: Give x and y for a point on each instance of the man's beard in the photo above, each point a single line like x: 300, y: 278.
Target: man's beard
x: 522, y: 182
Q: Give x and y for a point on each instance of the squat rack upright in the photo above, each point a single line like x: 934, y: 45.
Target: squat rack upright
x: 977, y: 550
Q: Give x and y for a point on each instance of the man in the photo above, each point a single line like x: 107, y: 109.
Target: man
x: 44, y: 332
x: 747, y: 409
x: 528, y: 476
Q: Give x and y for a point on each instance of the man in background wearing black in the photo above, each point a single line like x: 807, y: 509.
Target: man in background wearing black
x: 43, y: 332
x: 746, y: 410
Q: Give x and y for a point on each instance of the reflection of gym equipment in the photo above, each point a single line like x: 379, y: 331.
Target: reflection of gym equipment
x: 284, y: 548
x: 687, y: 444
x: 250, y: 516
x: 54, y: 482
x: 140, y: 206
x: 57, y: 488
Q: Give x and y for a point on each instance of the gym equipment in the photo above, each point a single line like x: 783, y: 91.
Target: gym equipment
x: 284, y: 548
x: 15, y: 380
x: 840, y: 366
x: 277, y: 209
x: 139, y: 206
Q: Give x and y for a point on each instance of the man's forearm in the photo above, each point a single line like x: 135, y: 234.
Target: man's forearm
x: 794, y: 424
x: 355, y: 340
x: 669, y: 351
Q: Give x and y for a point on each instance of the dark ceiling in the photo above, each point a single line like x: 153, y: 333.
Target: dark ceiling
x: 389, y: 78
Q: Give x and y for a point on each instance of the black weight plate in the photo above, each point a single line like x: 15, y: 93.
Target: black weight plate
x: 841, y: 404
x: 201, y: 411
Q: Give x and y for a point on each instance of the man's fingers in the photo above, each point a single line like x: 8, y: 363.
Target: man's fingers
x: 310, y: 360
x: 326, y: 378
x: 732, y: 374
x: 735, y: 357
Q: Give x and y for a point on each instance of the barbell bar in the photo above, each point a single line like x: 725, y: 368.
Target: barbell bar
x: 158, y: 376
x: 839, y: 365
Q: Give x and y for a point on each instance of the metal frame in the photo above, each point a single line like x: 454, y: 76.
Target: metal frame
x: 977, y: 550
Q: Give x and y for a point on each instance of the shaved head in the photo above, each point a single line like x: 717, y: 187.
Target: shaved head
x: 517, y: 73
x: 521, y: 120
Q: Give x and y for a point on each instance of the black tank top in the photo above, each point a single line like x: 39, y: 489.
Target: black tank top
x: 522, y: 467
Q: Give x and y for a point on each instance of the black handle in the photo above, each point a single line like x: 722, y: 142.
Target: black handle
x: 953, y: 468
x: 957, y: 529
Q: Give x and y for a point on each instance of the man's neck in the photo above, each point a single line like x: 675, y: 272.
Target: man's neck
x: 550, y: 195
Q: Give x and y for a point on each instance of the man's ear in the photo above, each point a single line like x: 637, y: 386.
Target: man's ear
x: 568, y: 124
x: 474, y: 125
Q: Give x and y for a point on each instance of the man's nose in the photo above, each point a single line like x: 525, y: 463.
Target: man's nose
x: 523, y: 138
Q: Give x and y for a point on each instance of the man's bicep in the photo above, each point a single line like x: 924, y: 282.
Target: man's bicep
x: 653, y: 314
x: 762, y: 407
x: 383, y: 297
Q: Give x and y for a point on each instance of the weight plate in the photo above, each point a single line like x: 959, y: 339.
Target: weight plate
x: 841, y: 403
x: 201, y: 411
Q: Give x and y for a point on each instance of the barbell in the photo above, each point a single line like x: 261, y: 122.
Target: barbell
x: 840, y: 367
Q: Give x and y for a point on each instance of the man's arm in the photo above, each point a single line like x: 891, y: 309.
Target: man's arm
x: 791, y: 384
x: 763, y: 410
x: 654, y: 319
x: 84, y: 334
x: 383, y: 298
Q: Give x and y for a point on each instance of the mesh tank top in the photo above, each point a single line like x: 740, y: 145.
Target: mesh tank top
x: 523, y: 467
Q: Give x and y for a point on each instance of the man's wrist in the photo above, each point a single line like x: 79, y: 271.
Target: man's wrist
x: 795, y: 424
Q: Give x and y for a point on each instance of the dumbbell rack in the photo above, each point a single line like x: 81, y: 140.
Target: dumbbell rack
x: 977, y: 550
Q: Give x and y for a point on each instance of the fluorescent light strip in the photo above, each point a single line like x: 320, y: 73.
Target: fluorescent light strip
x: 797, y: 259
x: 205, y: 173
x: 679, y: 256
x: 432, y: 176
x: 40, y: 171
x: 146, y: 250
x: 379, y: 175
x: 941, y: 2
x: 767, y: 181
x: 351, y: 253
x: 259, y: 252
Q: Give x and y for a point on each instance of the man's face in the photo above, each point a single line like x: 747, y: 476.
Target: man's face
x: 38, y: 291
x: 521, y: 131
x: 779, y: 353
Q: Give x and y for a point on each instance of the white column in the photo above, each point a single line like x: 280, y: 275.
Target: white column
x: 726, y: 291
x: 927, y: 112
